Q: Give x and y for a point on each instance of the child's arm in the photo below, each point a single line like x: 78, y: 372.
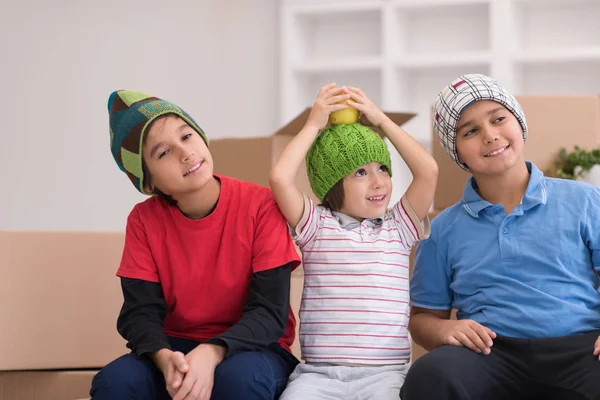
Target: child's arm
x: 283, y: 174
x: 434, y: 328
x: 423, y: 167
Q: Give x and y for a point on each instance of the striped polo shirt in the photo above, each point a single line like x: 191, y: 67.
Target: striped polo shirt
x: 355, y: 302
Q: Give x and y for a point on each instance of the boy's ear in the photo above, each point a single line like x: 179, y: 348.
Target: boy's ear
x: 459, y: 158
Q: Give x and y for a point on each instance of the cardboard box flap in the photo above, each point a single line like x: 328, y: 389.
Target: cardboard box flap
x: 294, y: 126
x: 400, y: 118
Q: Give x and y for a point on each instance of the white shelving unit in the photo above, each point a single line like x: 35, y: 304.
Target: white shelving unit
x: 556, y: 46
x: 403, y: 52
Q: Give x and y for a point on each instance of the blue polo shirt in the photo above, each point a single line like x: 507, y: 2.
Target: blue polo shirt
x: 532, y: 273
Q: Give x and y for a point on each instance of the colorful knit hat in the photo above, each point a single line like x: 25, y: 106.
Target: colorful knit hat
x: 338, y: 151
x: 459, y: 95
x: 130, y: 114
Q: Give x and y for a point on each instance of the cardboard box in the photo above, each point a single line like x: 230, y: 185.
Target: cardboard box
x: 60, y: 299
x: 250, y: 159
x: 46, y: 385
x: 553, y: 122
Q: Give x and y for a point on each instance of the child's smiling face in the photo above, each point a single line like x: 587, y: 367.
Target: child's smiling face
x: 367, y: 191
x: 176, y: 157
x: 489, y: 139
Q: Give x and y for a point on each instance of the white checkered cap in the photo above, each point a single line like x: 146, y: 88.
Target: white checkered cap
x: 460, y: 94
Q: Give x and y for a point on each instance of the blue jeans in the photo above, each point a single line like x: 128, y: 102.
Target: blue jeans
x: 251, y: 375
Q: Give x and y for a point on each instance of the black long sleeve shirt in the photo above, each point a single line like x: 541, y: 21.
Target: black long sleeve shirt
x: 263, y: 320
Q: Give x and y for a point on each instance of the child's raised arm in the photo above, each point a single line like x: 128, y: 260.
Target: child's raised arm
x: 283, y: 174
x: 422, y: 166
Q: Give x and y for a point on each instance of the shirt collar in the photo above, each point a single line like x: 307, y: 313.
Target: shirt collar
x: 535, y: 193
x: 347, y: 222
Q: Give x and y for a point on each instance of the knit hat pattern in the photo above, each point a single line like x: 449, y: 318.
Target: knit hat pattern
x: 338, y: 151
x: 130, y: 114
x: 460, y: 94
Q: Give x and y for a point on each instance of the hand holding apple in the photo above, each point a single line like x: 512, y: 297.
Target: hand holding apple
x: 329, y: 100
x: 360, y: 101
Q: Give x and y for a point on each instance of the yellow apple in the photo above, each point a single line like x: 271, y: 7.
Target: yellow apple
x: 346, y: 116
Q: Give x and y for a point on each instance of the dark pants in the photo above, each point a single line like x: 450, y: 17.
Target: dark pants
x: 252, y: 375
x: 553, y: 368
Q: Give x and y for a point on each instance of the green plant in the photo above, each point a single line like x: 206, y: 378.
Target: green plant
x: 567, y: 162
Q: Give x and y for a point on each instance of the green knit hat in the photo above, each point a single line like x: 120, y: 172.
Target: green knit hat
x: 130, y: 114
x: 338, y: 151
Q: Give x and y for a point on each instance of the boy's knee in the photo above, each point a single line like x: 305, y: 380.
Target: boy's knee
x: 236, y: 374
x: 246, y: 375
x: 438, y: 365
x: 127, y: 375
x: 440, y: 371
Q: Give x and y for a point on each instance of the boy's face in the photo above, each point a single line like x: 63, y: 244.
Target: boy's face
x: 176, y: 157
x: 367, y: 191
x: 489, y: 139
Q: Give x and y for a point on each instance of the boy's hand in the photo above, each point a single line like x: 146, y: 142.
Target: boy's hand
x: 360, y: 101
x: 173, y: 366
x: 199, y: 379
x: 325, y: 104
x: 468, y: 333
x: 597, y: 348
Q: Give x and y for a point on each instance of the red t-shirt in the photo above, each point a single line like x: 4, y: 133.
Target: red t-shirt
x: 205, y: 266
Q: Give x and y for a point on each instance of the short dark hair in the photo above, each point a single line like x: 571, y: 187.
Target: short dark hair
x: 334, y: 199
x: 147, y: 176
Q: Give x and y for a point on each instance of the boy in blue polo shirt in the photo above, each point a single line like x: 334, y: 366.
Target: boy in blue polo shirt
x: 518, y: 257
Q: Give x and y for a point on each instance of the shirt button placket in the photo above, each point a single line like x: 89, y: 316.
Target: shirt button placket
x: 507, y: 250
x: 363, y: 230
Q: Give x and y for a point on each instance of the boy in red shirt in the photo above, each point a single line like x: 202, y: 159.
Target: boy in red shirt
x: 205, y: 269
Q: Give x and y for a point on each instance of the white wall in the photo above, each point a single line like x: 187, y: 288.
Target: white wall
x: 61, y: 59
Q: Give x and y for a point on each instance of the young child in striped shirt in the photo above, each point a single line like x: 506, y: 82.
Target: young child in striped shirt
x: 355, y: 302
